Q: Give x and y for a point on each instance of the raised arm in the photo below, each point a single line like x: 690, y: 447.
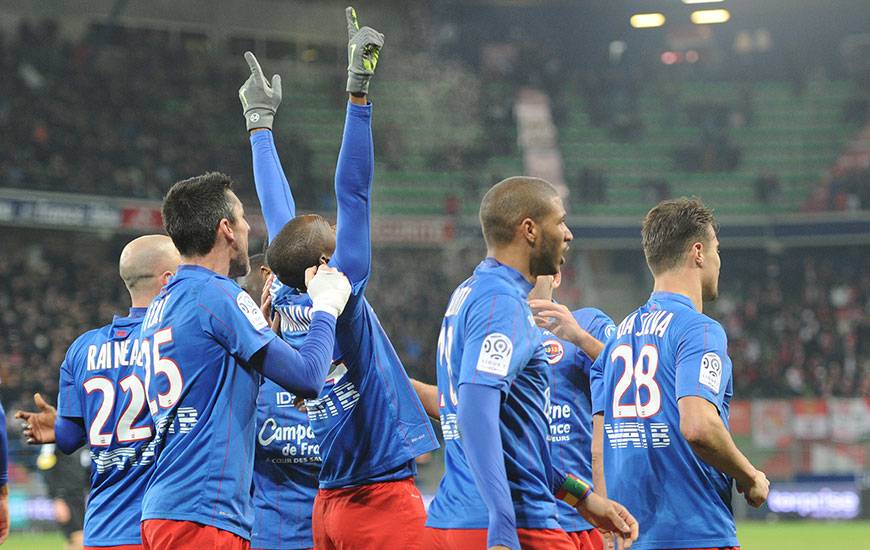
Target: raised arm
x: 260, y: 102
x: 356, y: 160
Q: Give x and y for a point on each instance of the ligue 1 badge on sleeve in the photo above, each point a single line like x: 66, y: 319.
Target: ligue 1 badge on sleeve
x: 711, y: 371
x: 495, y: 354
x: 251, y: 310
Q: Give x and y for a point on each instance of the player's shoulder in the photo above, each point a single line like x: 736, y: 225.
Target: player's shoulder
x: 89, y: 337
x: 692, y: 322
x: 78, y: 351
x: 218, y: 287
x: 495, y: 300
x: 482, y: 286
x: 586, y: 316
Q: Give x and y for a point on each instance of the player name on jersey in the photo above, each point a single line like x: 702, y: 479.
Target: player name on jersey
x: 116, y: 354
x: 651, y: 323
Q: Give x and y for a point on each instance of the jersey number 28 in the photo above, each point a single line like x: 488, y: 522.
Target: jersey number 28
x: 642, y: 372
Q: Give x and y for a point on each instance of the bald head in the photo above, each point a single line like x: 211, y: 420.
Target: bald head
x: 509, y: 202
x: 145, y: 263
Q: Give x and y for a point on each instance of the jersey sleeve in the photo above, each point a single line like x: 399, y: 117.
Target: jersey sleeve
x: 599, y: 326
x: 69, y: 400
x: 229, y: 315
x: 353, y: 183
x: 498, y: 341
x: 596, y: 381
x: 273, y: 189
x: 703, y: 367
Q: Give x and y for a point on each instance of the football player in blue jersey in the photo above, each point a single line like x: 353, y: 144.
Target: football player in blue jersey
x: 368, y: 421
x: 210, y: 344
x: 572, y: 342
x: 493, y: 381
x: 102, y: 403
x: 661, y: 391
x: 286, y: 461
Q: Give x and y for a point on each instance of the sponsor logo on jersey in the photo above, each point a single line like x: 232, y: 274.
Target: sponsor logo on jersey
x: 555, y: 351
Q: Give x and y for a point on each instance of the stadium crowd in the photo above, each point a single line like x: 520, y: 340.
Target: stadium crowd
x: 118, y: 112
x: 798, y: 322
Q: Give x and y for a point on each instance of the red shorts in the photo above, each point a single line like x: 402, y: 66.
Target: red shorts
x: 386, y: 516
x: 474, y: 539
x: 590, y: 539
x: 168, y: 534
x: 119, y: 547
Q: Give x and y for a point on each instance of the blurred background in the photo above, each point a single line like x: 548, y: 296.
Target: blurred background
x: 759, y: 108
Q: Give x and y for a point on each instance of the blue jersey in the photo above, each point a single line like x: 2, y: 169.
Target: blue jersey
x: 368, y: 420
x: 203, y: 330
x: 662, y: 352
x: 286, y: 465
x: 489, y: 337
x: 570, y: 409
x: 99, y: 383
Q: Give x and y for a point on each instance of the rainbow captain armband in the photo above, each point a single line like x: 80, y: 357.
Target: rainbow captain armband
x: 573, y: 490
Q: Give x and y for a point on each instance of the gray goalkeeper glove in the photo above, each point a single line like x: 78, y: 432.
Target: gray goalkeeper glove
x: 259, y: 100
x: 329, y: 290
x: 363, y: 47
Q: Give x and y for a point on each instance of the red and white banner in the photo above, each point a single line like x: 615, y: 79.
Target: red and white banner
x: 811, y: 419
x: 771, y: 423
x: 850, y: 419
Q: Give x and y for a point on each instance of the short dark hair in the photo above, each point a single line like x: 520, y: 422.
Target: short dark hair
x: 300, y: 244
x: 192, y: 210
x: 671, y: 227
x: 509, y: 202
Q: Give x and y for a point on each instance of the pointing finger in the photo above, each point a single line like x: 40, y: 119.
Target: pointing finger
x: 352, y: 22
x: 253, y: 64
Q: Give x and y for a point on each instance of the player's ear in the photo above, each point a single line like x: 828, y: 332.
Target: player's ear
x: 529, y: 230
x: 165, y: 276
x: 225, y: 229
x: 697, y: 254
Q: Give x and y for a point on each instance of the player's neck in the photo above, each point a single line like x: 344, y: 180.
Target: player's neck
x: 515, y: 259
x: 680, y: 282
x: 215, y: 261
x: 142, y: 299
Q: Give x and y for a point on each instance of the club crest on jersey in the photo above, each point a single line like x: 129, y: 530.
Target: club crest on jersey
x: 251, y: 310
x: 495, y: 354
x: 555, y: 351
x: 711, y: 371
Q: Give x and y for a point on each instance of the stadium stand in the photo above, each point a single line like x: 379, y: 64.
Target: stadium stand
x: 682, y: 138
x: 438, y: 142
